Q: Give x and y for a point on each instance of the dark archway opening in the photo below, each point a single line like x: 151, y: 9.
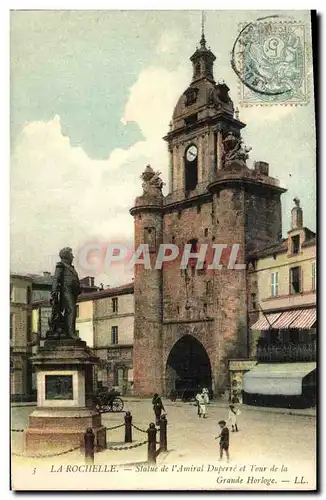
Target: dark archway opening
x: 188, y: 366
x: 191, y: 176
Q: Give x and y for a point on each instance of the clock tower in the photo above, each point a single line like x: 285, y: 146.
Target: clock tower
x: 189, y: 322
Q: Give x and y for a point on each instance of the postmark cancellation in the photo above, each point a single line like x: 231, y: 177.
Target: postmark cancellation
x: 271, y: 59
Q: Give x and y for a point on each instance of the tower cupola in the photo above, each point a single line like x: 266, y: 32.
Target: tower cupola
x: 203, y: 61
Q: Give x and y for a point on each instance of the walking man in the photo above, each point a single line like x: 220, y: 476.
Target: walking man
x: 157, y: 407
x: 224, y: 440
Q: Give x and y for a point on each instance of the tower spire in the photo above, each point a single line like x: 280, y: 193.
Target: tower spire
x: 203, y: 40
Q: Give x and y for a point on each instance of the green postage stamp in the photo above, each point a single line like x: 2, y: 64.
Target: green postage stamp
x: 270, y: 56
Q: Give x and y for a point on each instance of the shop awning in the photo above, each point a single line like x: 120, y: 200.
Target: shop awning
x: 277, y: 379
x: 305, y: 319
x: 286, y: 318
x: 265, y: 322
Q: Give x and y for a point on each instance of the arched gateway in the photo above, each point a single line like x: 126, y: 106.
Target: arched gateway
x: 188, y: 366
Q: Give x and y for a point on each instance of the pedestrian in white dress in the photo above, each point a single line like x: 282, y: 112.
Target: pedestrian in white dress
x: 232, y: 417
x: 201, y: 405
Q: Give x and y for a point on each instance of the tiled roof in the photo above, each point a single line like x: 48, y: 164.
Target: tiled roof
x: 20, y: 276
x: 108, y: 292
x: 282, y: 246
x: 310, y: 243
x: 278, y: 247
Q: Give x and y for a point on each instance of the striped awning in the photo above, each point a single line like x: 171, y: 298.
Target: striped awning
x: 265, y: 322
x: 305, y: 319
x: 286, y: 318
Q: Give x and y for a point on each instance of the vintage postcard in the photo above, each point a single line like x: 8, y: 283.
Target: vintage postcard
x: 163, y: 327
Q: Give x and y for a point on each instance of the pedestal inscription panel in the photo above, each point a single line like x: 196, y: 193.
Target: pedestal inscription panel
x: 58, y: 387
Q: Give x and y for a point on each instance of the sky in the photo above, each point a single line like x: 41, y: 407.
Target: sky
x: 91, y: 96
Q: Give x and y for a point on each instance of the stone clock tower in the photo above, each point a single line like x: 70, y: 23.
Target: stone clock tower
x: 189, y: 322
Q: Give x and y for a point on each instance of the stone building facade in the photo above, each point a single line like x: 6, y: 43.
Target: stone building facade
x: 189, y: 322
x: 85, y: 318
x: 106, y: 322
x: 21, y: 338
x: 283, y: 282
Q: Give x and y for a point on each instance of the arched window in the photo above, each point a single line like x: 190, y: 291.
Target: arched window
x: 191, y: 168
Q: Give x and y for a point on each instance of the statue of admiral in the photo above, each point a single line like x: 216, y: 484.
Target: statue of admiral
x: 65, y: 291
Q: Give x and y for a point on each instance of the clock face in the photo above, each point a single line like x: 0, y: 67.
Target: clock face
x: 191, y: 153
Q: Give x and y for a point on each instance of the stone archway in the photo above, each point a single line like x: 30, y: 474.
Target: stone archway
x: 188, y: 366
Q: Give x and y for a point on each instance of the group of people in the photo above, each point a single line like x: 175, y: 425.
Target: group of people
x: 202, y: 399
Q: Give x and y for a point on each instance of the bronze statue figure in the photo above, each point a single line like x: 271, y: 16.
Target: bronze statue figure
x: 65, y: 290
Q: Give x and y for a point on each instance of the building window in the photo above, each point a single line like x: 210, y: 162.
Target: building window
x: 274, y: 284
x: 29, y: 328
x: 313, y: 276
x: 28, y: 295
x: 295, y: 280
x: 208, y: 287
x: 114, y: 335
x: 11, y: 325
x: 119, y: 377
x: 115, y: 306
x: 77, y: 311
x: 295, y: 244
x: 254, y: 300
x: 11, y: 292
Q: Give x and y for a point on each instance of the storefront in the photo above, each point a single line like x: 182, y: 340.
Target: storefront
x: 237, y: 369
x: 283, y: 385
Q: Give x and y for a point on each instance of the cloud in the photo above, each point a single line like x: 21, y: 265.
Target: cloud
x: 152, y: 99
x: 168, y: 43
x: 60, y: 196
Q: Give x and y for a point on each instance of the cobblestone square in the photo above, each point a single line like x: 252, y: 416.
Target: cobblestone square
x: 264, y: 438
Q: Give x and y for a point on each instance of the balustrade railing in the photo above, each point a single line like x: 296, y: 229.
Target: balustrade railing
x: 286, y: 353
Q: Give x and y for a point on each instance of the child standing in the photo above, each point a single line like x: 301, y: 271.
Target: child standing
x: 224, y: 440
x: 232, y: 417
x: 201, y: 405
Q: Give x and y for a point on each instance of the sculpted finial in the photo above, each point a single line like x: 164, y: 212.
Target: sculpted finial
x: 152, y: 182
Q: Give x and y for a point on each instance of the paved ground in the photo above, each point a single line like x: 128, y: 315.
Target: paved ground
x: 263, y: 437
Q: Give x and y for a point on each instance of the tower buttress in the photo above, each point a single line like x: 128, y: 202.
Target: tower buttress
x: 148, y: 231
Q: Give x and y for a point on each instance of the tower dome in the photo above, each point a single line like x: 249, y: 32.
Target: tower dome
x: 203, y: 97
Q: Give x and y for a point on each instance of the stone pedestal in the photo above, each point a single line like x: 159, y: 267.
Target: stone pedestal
x: 64, y: 370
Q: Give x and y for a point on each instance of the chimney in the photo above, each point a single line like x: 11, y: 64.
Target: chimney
x: 46, y: 273
x: 261, y: 167
x: 296, y: 215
